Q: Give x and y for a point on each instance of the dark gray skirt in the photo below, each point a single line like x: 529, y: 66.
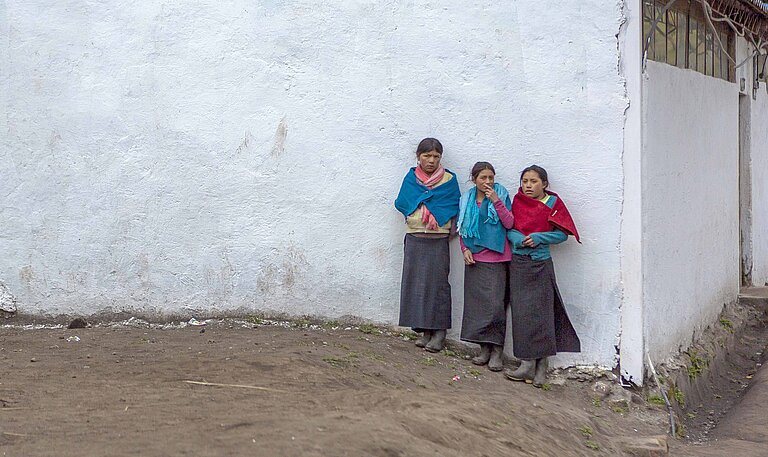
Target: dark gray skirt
x: 485, y: 289
x: 540, y: 324
x: 425, y: 295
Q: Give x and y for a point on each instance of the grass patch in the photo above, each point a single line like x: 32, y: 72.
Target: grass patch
x: 656, y: 400
x: 679, y: 397
x: 429, y: 361
x: 697, y: 364
x: 474, y: 372
x: 597, y: 402
x: 691, y: 415
x: 370, y: 329
x: 449, y: 353
x: 255, y: 320
x: 592, y: 445
x: 546, y: 387
x: 374, y: 356
x: 302, y: 322
x: 407, y: 336
x: 341, y: 362
x: 331, y: 324
x: 727, y: 324
x: 586, y: 431
x: 620, y: 409
x: 680, y: 431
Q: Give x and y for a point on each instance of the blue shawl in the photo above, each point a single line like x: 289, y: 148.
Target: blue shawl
x: 442, y: 201
x: 480, y: 228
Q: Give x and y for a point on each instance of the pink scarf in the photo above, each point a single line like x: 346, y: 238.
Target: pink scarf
x: 430, y: 181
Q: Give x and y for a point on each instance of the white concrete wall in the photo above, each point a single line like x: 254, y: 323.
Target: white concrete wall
x: 759, y: 169
x: 690, y: 203
x: 216, y: 156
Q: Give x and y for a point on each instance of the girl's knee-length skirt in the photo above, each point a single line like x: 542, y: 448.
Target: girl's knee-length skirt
x: 425, y: 294
x: 540, y: 324
x: 485, y: 290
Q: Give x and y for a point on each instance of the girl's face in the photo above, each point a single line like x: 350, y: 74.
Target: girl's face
x: 532, y: 185
x: 429, y: 161
x: 484, y: 180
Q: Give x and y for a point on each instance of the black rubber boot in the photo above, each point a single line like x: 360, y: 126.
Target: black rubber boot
x: 496, y: 362
x: 436, y: 343
x: 541, y: 372
x: 524, y: 373
x: 425, y: 337
x: 484, y: 356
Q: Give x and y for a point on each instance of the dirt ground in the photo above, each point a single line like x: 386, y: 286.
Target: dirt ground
x: 287, y: 389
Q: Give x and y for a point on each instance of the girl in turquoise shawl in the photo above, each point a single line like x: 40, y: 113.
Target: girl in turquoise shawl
x: 484, y: 217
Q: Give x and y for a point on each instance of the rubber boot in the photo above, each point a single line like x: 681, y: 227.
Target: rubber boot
x: 541, y: 372
x: 484, y: 356
x: 524, y: 373
x: 425, y: 337
x: 436, y: 343
x: 496, y: 363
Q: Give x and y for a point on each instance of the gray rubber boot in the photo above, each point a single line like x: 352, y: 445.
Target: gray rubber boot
x: 541, y: 372
x: 436, y: 343
x: 496, y: 362
x: 425, y: 337
x: 524, y: 373
x: 484, y: 356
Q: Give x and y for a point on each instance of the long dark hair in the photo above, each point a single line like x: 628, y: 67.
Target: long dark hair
x: 429, y: 144
x: 539, y: 171
x: 480, y: 166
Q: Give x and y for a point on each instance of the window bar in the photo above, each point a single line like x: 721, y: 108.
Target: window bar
x: 687, y: 37
x: 668, y: 32
x: 693, y: 28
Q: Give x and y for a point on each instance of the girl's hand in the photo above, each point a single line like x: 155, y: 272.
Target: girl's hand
x: 490, y: 193
x: 468, y: 259
x: 528, y: 242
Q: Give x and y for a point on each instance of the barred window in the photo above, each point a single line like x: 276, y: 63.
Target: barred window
x: 683, y: 38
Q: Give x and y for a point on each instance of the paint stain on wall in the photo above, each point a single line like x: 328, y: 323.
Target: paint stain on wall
x: 26, y: 275
x: 283, y: 276
x: 246, y: 143
x: 280, y: 135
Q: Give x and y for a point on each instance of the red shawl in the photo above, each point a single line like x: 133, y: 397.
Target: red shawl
x: 532, y: 215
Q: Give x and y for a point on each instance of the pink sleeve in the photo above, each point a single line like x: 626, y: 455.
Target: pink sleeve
x: 506, y: 217
x: 461, y: 242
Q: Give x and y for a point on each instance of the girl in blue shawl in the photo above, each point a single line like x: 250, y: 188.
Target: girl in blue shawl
x: 429, y: 200
x: 484, y: 218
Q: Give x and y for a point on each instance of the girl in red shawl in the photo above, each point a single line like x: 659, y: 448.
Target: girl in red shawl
x: 540, y: 325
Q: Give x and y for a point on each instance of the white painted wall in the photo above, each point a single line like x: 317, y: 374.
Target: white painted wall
x: 632, y: 344
x: 690, y: 203
x: 759, y: 169
x: 223, y: 156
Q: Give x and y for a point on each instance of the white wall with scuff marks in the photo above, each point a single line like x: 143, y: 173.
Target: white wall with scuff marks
x: 759, y: 186
x: 690, y: 204
x: 223, y: 156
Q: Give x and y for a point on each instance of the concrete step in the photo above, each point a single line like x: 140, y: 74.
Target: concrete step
x: 756, y: 297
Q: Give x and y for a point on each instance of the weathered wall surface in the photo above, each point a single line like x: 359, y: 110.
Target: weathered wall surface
x: 690, y: 203
x: 221, y: 156
x: 759, y: 184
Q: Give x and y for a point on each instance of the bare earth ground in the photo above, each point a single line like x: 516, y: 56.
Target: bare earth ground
x: 288, y: 391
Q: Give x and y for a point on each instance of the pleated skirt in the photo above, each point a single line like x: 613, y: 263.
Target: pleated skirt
x: 540, y: 323
x: 485, y: 290
x: 425, y: 294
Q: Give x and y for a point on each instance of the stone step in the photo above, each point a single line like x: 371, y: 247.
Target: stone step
x: 756, y: 297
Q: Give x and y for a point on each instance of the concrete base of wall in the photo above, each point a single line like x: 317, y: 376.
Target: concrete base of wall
x: 714, y: 373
